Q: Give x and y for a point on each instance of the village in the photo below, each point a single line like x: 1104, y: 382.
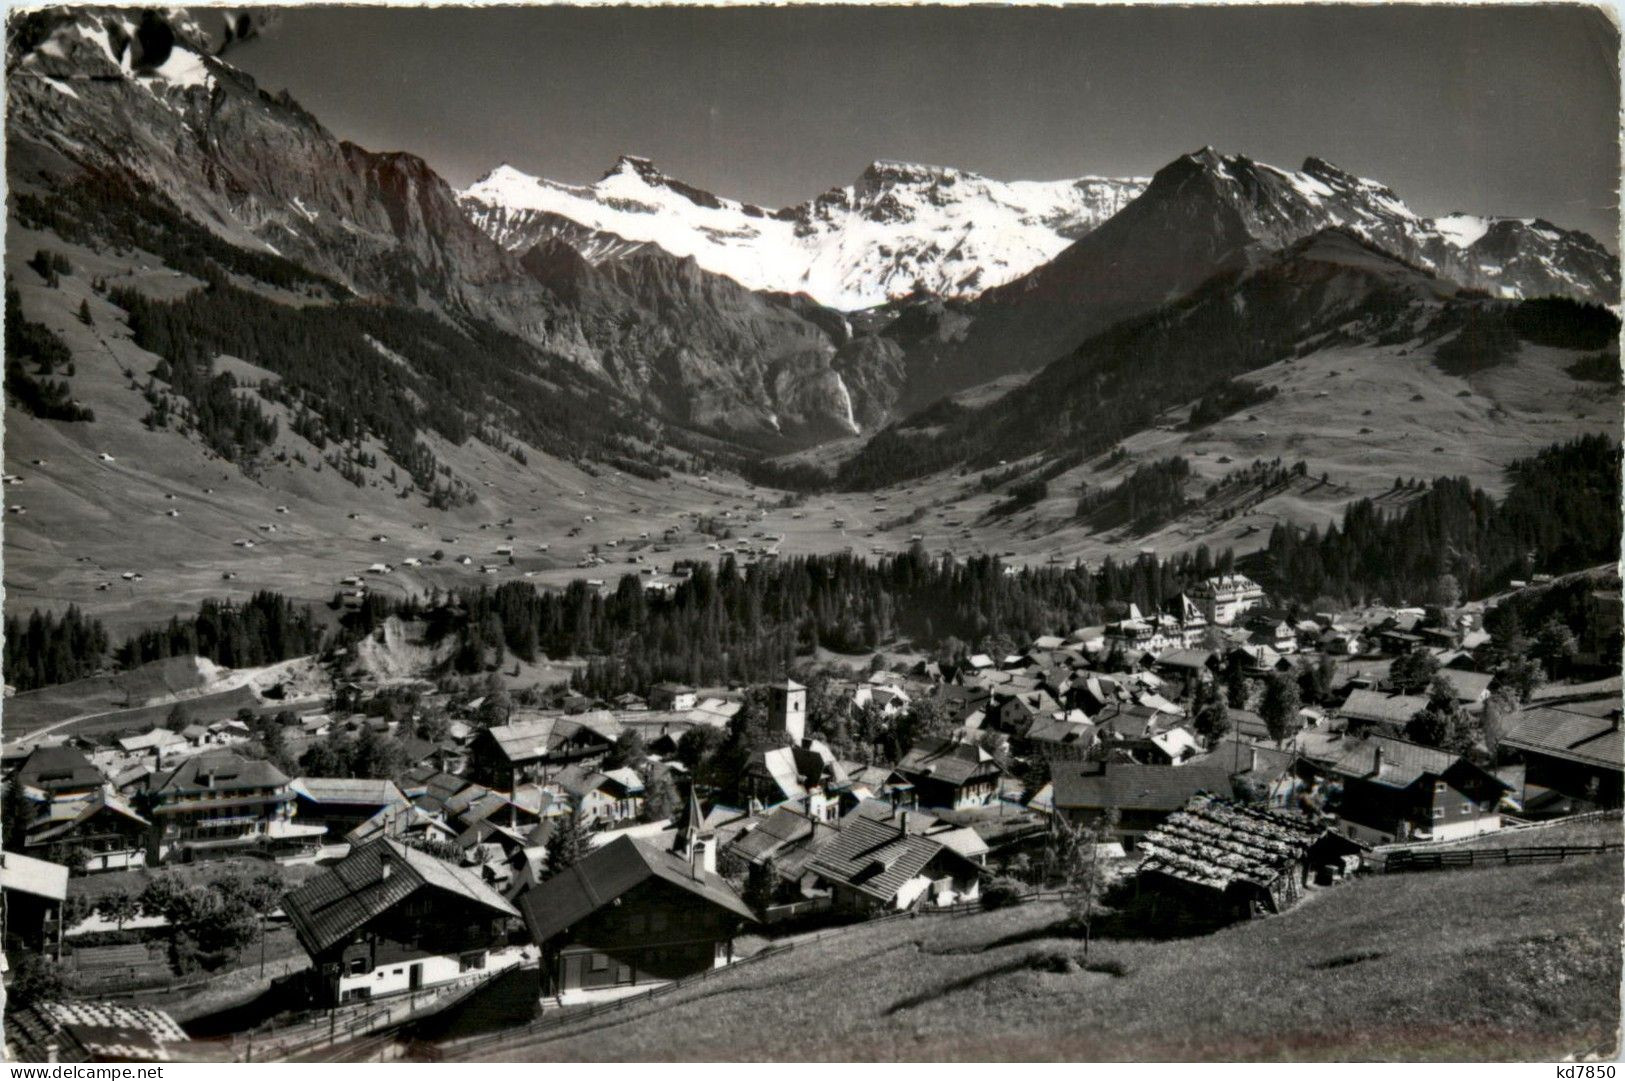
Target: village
x: 173, y: 893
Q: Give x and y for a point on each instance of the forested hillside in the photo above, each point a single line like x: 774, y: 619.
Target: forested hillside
x: 1562, y: 513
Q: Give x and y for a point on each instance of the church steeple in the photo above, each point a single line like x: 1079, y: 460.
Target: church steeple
x: 693, y: 842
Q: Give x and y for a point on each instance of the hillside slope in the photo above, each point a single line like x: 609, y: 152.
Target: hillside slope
x: 1506, y: 964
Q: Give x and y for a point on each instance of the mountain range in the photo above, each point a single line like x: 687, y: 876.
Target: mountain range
x: 900, y: 230
x: 710, y: 325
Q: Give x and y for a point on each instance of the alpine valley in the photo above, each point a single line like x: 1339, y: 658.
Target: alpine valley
x: 218, y: 308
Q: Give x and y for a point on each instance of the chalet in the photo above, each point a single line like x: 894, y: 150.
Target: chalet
x: 888, y: 699
x: 1224, y: 598
x: 406, y: 822
x: 877, y: 782
x: 1143, y: 796
x: 388, y: 918
x: 672, y: 696
x: 537, y: 748
x: 1214, y: 861
x: 1471, y: 688
x: 342, y: 803
x: 1016, y: 713
x: 1065, y: 736
x: 632, y: 914
x: 786, y: 840
x: 1398, y: 791
x: 32, y: 893
x: 949, y: 774
x: 1573, y: 748
x: 1397, y: 642
x: 220, y: 803
x: 960, y: 701
x: 1187, y: 667
x: 1278, y: 635
x: 881, y: 863
x: 604, y: 798
x: 57, y: 774
x: 103, y: 830
x: 1377, y: 711
x: 781, y: 774
x: 160, y: 742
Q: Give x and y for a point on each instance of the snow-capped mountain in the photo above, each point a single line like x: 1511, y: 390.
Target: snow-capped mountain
x: 1203, y: 214
x: 900, y: 229
x: 117, y: 115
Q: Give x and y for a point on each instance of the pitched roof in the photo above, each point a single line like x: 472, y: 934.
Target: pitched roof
x: 789, y: 836
x: 1403, y: 763
x: 25, y: 874
x: 1213, y: 843
x: 877, y: 857
x: 1569, y: 733
x: 1132, y: 786
x: 606, y: 873
x: 945, y: 760
x: 1469, y: 686
x: 348, y: 790
x: 57, y: 766
x: 333, y: 904
x: 54, y: 825
x: 158, y: 737
x: 102, y: 1032
x: 1186, y: 658
x: 1396, y: 709
x: 227, y: 769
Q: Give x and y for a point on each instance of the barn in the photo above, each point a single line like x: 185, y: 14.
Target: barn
x: 1214, y: 862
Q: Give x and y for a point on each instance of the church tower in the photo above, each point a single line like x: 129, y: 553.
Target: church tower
x: 790, y: 710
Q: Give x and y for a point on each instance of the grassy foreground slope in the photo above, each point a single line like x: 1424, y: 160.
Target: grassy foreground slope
x: 1504, y: 964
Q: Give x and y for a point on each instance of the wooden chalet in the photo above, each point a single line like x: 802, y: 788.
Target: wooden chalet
x: 1214, y: 862
x: 632, y: 913
x: 221, y: 804
x: 507, y: 755
x: 1380, y: 712
x: 1398, y: 791
x: 388, y: 918
x: 1142, y: 795
x: 946, y: 773
x: 32, y: 893
x: 58, y: 773
x: 104, y: 830
x: 1572, y: 748
x: 342, y: 803
x: 885, y: 861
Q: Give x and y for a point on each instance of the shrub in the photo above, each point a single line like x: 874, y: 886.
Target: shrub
x: 1002, y: 892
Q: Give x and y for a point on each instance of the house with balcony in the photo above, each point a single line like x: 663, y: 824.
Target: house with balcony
x: 389, y: 919
x: 222, y: 804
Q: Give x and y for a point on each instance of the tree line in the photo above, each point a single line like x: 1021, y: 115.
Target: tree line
x: 1561, y: 513
x: 731, y: 623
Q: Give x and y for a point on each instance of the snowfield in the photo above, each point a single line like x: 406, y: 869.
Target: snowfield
x: 899, y: 229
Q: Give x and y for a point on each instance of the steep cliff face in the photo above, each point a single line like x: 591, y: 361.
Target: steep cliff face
x: 140, y: 100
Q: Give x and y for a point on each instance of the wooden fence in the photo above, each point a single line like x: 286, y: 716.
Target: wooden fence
x: 1445, y: 859
x: 346, y: 1024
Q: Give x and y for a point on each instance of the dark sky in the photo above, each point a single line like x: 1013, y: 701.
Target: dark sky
x: 1506, y: 110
